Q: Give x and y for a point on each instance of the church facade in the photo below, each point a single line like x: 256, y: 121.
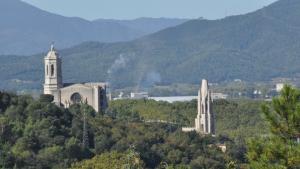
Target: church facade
x: 94, y: 94
x: 205, y: 120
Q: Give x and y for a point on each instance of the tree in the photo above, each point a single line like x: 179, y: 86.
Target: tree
x: 38, y: 134
x: 280, y: 150
x: 46, y: 98
x: 113, y: 160
x: 5, y: 100
x: 3, y: 123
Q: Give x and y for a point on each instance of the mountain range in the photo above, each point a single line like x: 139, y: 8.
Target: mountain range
x: 25, y: 29
x: 256, y: 46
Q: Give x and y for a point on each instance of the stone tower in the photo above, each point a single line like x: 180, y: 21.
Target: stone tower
x: 204, y: 123
x: 53, y: 75
x: 205, y: 120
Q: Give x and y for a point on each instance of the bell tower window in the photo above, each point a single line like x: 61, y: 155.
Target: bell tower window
x: 52, y: 70
x: 47, y: 70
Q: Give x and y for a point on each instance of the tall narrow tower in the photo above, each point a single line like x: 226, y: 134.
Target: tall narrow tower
x: 53, y: 75
x: 204, y: 123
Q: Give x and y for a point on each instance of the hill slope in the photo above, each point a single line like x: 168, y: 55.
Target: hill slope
x: 25, y: 29
x: 256, y: 46
x: 146, y: 25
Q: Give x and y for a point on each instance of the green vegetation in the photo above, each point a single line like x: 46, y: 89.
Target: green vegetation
x: 38, y: 134
x: 235, y: 119
x: 180, y: 113
x: 280, y: 150
x: 239, y: 119
x: 113, y: 160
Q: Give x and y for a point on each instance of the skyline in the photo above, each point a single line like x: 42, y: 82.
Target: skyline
x: 132, y: 9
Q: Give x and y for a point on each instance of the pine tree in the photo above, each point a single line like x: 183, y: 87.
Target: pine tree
x: 280, y: 150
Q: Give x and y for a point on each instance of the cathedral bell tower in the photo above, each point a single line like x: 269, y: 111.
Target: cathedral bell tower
x: 53, y: 75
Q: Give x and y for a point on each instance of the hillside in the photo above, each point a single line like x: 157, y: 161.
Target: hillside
x: 233, y: 118
x: 30, y: 30
x: 38, y: 134
x: 146, y: 25
x: 252, y: 47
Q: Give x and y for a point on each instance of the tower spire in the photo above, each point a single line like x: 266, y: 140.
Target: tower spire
x: 52, y: 46
x: 204, y: 122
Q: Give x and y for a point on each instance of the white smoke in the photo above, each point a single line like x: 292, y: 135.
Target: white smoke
x: 147, y: 80
x: 152, y: 78
x: 118, y: 64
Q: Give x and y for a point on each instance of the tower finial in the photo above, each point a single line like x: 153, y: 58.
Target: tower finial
x: 52, y: 46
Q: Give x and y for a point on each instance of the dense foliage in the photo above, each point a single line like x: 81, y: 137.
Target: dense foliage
x: 38, y: 134
x: 112, y: 160
x: 280, y: 150
x: 236, y: 119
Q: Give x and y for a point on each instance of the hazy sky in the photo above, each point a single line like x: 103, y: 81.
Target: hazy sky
x: 129, y: 9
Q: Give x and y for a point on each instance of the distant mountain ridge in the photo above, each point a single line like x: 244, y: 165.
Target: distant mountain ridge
x: 25, y: 29
x: 254, y: 47
x: 147, y: 25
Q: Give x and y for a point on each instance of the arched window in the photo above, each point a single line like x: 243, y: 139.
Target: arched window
x: 47, y: 70
x: 76, y: 98
x: 52, y: 70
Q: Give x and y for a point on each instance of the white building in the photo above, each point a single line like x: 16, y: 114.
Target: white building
x: 94, y: 94
x: 139, y: 95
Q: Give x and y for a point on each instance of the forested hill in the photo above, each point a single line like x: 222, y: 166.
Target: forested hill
x: 256, y: 46
x: 35, y: 133
x: 25, y: 29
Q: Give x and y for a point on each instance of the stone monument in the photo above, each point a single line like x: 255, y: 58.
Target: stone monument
x: 204, y: 122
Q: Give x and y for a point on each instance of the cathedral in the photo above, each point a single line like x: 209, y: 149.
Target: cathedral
x: 204, y: 122
x: 66, y: 94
